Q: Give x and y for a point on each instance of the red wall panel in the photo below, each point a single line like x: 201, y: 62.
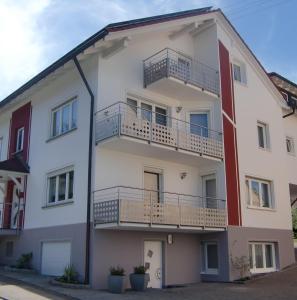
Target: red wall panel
x: 230, y: 141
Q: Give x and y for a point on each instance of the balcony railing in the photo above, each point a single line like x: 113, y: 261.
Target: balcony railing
x: 123, y: 119
x: 9, y: 218
x: 123, y: 204
x: 170, y: 63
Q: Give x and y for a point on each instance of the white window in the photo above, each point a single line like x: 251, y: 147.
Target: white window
x: 263, y: 135
x: 64, y: 118
x: 148, y: 111
x: 199, y: 123
x: 259, y: 193
x: 20, y: 139
x: 60, y: 186
x: 210, y: 257
x: 262, y: 257
x: 239, y: 72
x: 290, y: 145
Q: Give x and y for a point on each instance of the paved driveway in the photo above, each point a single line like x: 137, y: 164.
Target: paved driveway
x: 277, y: 286
x: 13, y: 290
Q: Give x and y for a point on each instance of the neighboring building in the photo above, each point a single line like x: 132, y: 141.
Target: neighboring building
x: 289, y: 91
x: 184, y: 171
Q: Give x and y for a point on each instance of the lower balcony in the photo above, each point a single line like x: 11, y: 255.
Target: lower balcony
x: 141, y: 209
x: 8, y: 220
x: 124, y: 120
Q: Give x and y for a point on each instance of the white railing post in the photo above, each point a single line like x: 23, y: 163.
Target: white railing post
x: 179, y: 211
x: 119, y: 207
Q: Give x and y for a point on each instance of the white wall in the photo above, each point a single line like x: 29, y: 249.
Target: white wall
x: 67, y: 150
x: 255, y: 102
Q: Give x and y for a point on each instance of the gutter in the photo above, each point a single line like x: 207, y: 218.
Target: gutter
x: 90, y: 154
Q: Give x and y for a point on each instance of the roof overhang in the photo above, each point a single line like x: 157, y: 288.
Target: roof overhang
x: 13, y: 168
x: 284, y: 83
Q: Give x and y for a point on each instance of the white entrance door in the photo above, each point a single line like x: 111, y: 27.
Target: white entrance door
x: 55, y: 257
x: 153, y: 262
x: 210, y: 191
x: 14, y: 209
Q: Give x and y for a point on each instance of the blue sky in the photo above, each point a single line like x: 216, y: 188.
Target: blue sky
x: 35, y: 33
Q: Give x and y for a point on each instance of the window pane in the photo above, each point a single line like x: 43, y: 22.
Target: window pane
x: 210, y: 193
x: 56, y: 122
x: 62, y: 187
x: 52, y: 190
x: 269, y: 258
x: 70, y: 188
x: 259, y: 256
x: 199, y: 124
x: 161, y: 116
x: 20, y: 137
x: 65, y: 118
x: 132, y: 106
x: 265, y: 195
x: 255, y: 193
x: 261, y: 137
x: 74, y: 114
x: 237, y: 73
x: 212, y: 256
x: 146, y: 112
x: 251, y: 255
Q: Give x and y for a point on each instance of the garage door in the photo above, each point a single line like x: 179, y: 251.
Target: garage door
x: 55, y: 257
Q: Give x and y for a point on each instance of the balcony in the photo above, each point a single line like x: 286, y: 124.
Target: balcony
x: 123, y: 120
x: 127, y: 207
x: 173, y: 73
x: 9, y: 220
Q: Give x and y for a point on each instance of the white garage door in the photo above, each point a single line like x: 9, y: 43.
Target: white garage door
x: 55, y: 257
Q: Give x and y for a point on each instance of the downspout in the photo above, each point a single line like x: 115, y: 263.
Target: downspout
x: 89, y: 196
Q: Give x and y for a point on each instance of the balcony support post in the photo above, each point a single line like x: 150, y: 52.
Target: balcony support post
x: 151, y: 209
x: 179, y: 211
x: 119, y: 207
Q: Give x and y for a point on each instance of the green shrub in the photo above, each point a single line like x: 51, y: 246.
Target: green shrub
x: 139, y: 270
x: 119, y: 271
x: 24, y: 262
x: 70, y: 275
x: 294, y: 221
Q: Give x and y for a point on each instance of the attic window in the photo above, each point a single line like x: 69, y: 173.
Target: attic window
x: 239, y: 72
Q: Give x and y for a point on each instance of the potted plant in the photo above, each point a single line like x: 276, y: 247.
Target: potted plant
x: 116, y: 280
x: 139, y: 279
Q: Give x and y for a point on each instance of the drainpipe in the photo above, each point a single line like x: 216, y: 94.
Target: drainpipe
x: 292, y: 104
x: 89, y: 196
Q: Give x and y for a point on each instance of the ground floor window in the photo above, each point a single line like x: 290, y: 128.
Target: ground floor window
x: 262, y: 257
x: 210, y: 257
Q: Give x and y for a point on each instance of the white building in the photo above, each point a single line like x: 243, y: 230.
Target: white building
x: 157, y: 141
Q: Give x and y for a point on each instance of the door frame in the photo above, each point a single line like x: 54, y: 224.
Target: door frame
x: 160, y: 183
x: 163, y: 256
x: 206, y: 177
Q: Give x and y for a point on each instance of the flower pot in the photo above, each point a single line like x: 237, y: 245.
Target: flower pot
x: 116, y: 284
x: 139, y: 282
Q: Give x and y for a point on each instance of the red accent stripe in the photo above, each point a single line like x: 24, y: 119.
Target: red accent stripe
x: 230, y: 143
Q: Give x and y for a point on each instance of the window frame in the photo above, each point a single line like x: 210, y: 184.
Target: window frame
x: 242, y: 72
x: 60, y: 108
x: 291, y: 139
x: 20, y: 147
x: 266, y: 138
x: 265, y: 269
x: 206, y: 269
x: 270, y: 194
x: 56, y: 175
x: 1, y: 147
x: 206, y: 112
x: 153, y: 111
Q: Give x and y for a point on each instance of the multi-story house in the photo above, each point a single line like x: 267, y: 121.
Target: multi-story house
x: 157, y: 141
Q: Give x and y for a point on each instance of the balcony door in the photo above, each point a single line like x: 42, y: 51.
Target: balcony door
x: 152, y: 186
x: 199, y: 123
x: 210, y: 191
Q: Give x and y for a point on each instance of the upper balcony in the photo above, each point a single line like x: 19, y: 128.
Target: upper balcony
x: 141, y: 126
x: 123, y: 207
x: 172, y: 73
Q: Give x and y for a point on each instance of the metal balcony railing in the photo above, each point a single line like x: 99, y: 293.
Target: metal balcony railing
x: 124, y: 119
x: 170, y: 63
x: 122, y: 204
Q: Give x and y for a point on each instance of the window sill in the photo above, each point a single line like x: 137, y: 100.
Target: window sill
x: 268, y: 150
x: 291, y: 154
x: 261, y: 208
x: 241, y: 83
x: 209, y: 273
x: 60, y: 135
x: 62, y: 203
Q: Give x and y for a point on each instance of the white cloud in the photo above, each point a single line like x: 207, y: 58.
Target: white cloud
x: 21, y: 47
